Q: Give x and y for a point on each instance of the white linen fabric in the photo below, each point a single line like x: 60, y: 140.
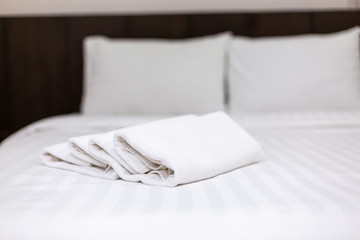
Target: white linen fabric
x: 102, y: 147
x: 60, y: 156
x: 193, y: 148
x: 307, y: 189
x: 296, y: 73
x: 154, y: 76
x: 163, y: 153
x: 54, y: 154
x: 79, y: 147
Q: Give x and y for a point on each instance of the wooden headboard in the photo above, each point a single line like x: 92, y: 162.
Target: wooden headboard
x: 41, y: 57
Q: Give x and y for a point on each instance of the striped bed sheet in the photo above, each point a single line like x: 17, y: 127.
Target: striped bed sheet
x: 309, y: 187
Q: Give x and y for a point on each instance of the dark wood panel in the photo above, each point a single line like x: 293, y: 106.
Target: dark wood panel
x: 174, y: 26
x: 278, y: 24
x: 36, y: 68
x: 4, y: 120
x: 239, y: 24
x: 77, y: 29
x: 327, y: 22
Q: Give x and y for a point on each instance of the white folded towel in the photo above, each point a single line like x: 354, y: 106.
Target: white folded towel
x: 169, y: 153
x: 101, y: 146
x: 59, y: 156
x: 92, y: 155
x: 165, y: 153
x: 79, y: 147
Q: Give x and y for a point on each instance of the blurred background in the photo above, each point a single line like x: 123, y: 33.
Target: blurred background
x: 41, y: 58
x: 48, y: 7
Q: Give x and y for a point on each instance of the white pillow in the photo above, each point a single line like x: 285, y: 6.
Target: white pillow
x: 154, y: 76
x: 306, y: 72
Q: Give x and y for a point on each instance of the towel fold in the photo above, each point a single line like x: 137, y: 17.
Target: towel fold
x: 101, y: 146
x: 188, y: 150
x: 164, y: 153
x: 79, y: 147
x: 60, y: 156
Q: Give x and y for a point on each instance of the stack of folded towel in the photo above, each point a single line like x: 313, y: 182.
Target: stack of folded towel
x: 165, y: 153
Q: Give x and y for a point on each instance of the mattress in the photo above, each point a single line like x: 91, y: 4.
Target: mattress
x: 308, y: 187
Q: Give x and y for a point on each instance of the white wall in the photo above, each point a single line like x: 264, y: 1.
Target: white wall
x: 61, y: 7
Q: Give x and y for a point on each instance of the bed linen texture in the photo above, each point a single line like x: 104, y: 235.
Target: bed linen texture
x: 309, y: 187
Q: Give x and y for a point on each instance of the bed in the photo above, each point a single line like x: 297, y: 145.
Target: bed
x: 308, y: 187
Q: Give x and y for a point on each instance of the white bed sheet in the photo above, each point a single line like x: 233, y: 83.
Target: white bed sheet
x: 309, y: 187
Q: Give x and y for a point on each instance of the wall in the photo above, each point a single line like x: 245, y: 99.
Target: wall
x: 83, y: 7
